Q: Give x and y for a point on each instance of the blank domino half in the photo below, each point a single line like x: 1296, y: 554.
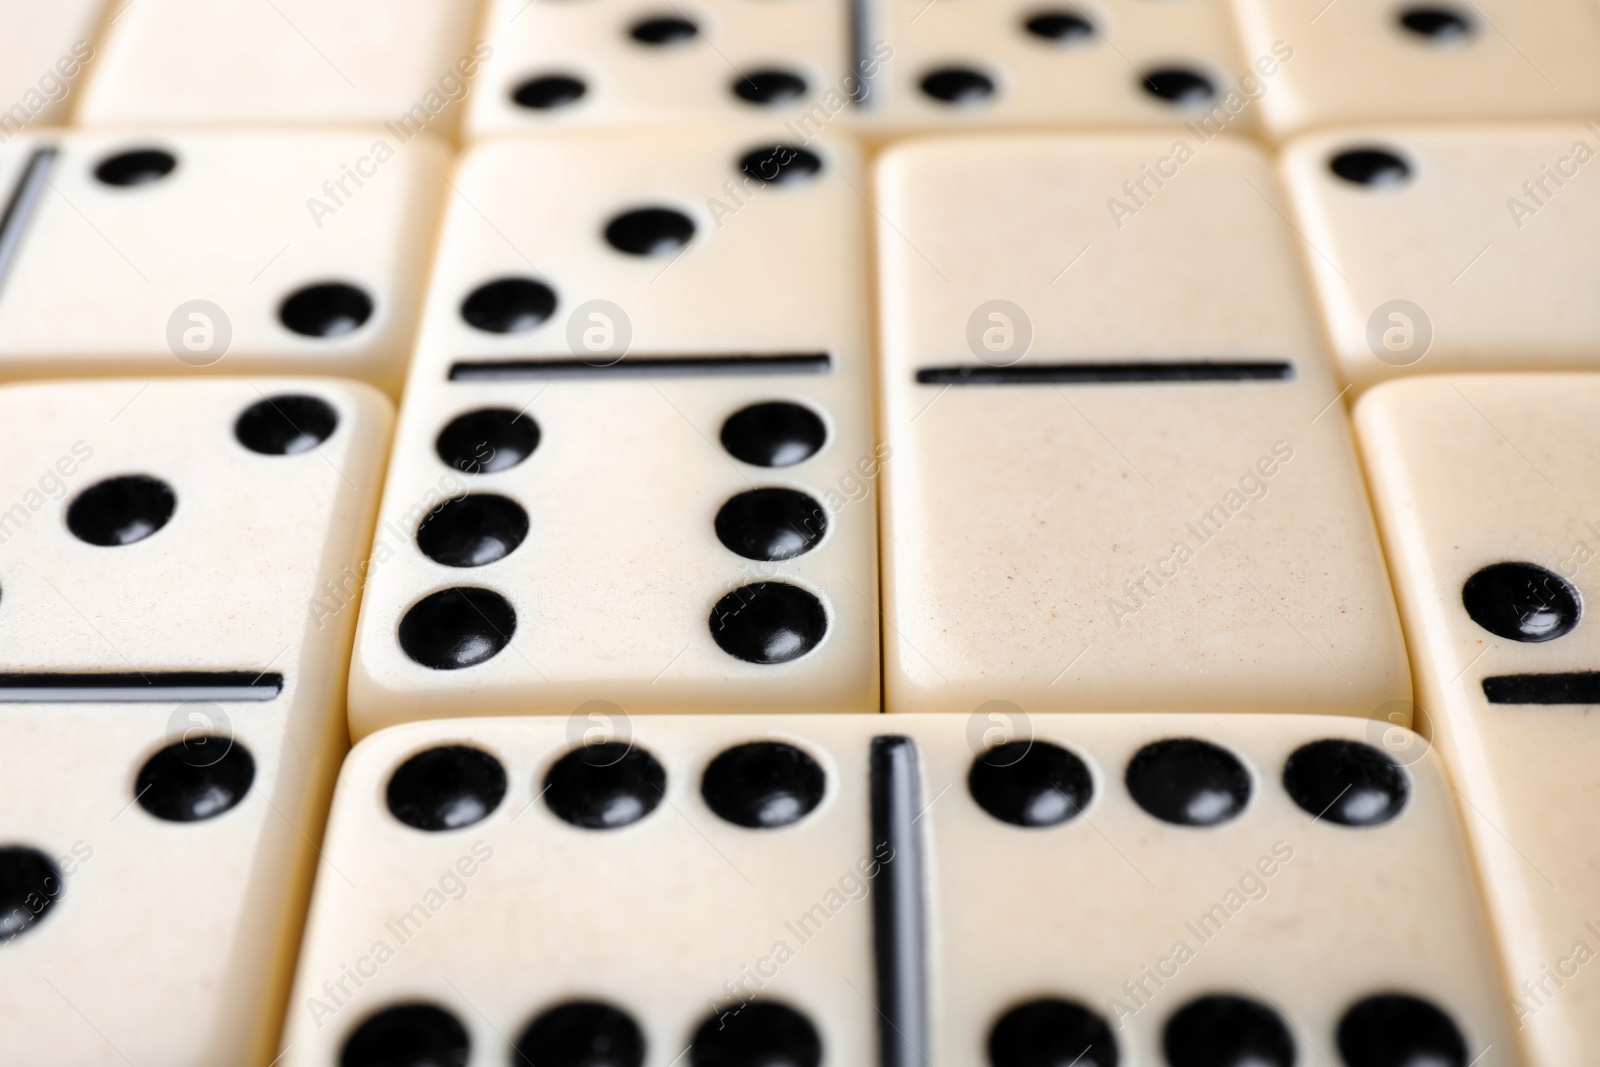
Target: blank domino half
x: 642, y: 382
x: 1120, y: 477
x: 1449, y: 248
x: 1486, y: 490
x: 831, y: 890
x: 176, y: 622
x: 285, y: 63
x: 1460, y: 60
x: 189, y: 252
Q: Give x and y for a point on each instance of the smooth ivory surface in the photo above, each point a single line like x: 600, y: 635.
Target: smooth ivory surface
x: 1355, y: 61
x: 1491, y: 240
x: 1469, y: 471
x: 682, y: 915
x: 1131, y: 546
x: 106, y: 277
x: 172, y: 942
x: 614, y: 584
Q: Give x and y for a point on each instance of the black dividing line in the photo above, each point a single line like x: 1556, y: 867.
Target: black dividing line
x: 1107, y: 373
x: 897, y: 908
x: 860, y: 32
x: 151, y: 687
x: 21, y: 207
x: 499, y: 370
x: 1580, y: 687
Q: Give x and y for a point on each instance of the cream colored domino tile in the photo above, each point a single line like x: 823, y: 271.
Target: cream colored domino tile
x: 1064, y: 543
x: 205, y: 252
x: 1451, y: 248
x: 44, y: 56
x: 1312, y: 875
x: 945, y: 66
x: 601, y: 490
x: 1293, y: 866
x: 172, y: 703
x: 624, y: 63
x: 286, y: 63
x: 1380, y: 61
x: 666, y: 914
x: 1486, y: 495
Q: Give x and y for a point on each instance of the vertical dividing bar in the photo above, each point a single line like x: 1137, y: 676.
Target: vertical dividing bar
x: 860, y: 51
x: 22, y: 205
x: 897, y: 904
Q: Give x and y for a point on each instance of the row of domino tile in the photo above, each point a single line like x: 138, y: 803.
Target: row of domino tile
x: 182, y: 564
x: 881, y: 67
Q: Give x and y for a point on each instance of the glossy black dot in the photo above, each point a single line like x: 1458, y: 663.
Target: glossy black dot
x: 768, y: 622
x: 773, y: 434
x: 1051, y: 1033
x: 604, y: 786
x: 758, y: 1033
x: 508, y: 305
x: 1030, y: 783
x: 781, y: 165
x: 487, y: 440
x: 1179, y: 85
x: 1188, y: 782
x: 1222, y: 1030
x: 472, y: 530
x: 122, y: 510
x: 581, y: 1033
x: 549, y: 91
x: 1065, y: 27
x: 331, y: 309
x: 1521, y: 602
x: 29, y: 886
x: 408, y: 1035
x: 664, y: 30
x: 139, y: 167
x: 1345, y: 782
x: 771, y: 524
x: 958, y: 85
x: 197, y: 778
x: 650, y: 231
x: 763, y: 785
x: 286, y: 425
x: 1375, y: 167
x: 1441, y: 25
x: 446, y: 788
x: 769, y: 87
x: 456, y: 628
x: 1396, y: 1030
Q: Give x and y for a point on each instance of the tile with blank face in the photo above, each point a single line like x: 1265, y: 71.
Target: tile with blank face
x: 616, y: 63
x: 160, y: 253
x: 1120, y: 476
x: 177, y: 561
x: 1441, y: 249
x: 1485, y: 493
x: 960, y: 65
x: 1421, y: 60
x: 823, y: 890
x: 285, y: 63
x: 636, y: 459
